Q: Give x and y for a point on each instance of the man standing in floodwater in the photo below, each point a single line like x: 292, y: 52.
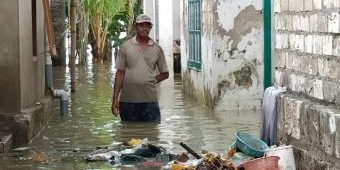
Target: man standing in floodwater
x: 140, y: 65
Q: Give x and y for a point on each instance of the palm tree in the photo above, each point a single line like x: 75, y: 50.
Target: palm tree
x: 100, y: 22
x: 100, y: 14
x: 123, y: 22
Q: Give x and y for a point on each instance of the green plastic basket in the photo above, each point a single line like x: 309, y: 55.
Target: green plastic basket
x: 250, y: 145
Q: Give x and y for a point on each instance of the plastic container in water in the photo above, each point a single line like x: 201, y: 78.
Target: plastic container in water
x: 250, y: 145
x: 240, y: 158
x: 286, y: 154
x: 263, y: 163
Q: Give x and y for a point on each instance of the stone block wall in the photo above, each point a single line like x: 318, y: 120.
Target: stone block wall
x: 306, y: 59
x: 313, y: 129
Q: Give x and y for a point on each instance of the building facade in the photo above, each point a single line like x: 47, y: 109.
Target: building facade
x: 223, y: 61
x: 24, y: 104
x: 222, y: 53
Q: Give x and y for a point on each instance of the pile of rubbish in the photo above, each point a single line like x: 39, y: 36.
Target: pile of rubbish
x: 246, y: 153
x: 133, y: 151
x: 140, y: 151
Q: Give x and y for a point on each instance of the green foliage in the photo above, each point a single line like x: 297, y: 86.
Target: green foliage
x: 118, y: 26
x: 108, y: 19
x: 100, y: 14
x: 123, y: 21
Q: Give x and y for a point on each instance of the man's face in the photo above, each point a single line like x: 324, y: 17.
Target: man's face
x: 143, y: 29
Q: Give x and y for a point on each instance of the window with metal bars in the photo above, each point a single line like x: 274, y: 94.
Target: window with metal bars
x: 195, y: 60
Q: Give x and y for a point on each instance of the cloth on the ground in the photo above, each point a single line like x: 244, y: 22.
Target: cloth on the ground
x: 269, y: 114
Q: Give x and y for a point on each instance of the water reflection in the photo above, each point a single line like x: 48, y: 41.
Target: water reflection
x: 138, y: 130
x: 65, y: 140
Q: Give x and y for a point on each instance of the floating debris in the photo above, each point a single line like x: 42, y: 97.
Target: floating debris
x: 38, y: 157
x: 133, y: 151
x: 21, y: 149
x: 102, y: 155
x: 141, y: 152
x: 214, y: 161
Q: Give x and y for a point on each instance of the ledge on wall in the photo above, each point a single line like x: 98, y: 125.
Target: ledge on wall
x: 311, y: 127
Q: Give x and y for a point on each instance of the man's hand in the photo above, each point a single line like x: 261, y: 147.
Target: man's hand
x: 162, y: 76
x: 115, y: 108
x: 117, y: 87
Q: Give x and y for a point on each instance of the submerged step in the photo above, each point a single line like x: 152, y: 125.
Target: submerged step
x: 5, y: 142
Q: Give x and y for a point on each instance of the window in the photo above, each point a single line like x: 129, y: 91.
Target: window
x: 194, y: 20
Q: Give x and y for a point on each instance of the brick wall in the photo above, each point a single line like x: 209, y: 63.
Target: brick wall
x: 306, y: 58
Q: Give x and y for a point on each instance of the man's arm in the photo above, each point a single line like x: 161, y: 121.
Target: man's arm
x: 162, y: 76
x: 117, y: 87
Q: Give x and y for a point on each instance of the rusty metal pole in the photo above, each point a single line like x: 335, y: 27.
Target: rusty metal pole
x: 73, y: 21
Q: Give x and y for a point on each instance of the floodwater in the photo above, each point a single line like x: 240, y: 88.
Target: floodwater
x: 66, y: 139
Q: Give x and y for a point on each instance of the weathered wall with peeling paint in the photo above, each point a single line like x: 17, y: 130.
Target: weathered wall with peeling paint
x: 232, y: 55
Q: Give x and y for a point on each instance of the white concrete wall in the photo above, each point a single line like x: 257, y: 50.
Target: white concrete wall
x: 232, y: 55
x: 176, y: 19
x: 149, y: 9
x: 169, y: 25
x: 166, y: 30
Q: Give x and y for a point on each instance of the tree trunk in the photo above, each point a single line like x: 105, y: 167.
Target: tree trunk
x: 73, y: 21
x: 82, y: 35
x: 102, y: 56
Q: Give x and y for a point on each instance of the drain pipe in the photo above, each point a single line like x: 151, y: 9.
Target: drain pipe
x: 48, y: 71
x: 63, y: 100
x: 57, y: 93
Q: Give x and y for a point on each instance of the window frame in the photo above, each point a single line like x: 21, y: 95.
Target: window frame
x: 194, y: 29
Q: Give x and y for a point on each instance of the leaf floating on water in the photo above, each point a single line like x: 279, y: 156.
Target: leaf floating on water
x: 38, y: 157
x: 231, y: 153
x: 183, y: 157
x: 214, y: 161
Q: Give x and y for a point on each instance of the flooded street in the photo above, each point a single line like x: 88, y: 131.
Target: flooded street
x: 90, y: 124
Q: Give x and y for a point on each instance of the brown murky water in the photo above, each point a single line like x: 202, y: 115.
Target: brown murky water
x: 66, y: 139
